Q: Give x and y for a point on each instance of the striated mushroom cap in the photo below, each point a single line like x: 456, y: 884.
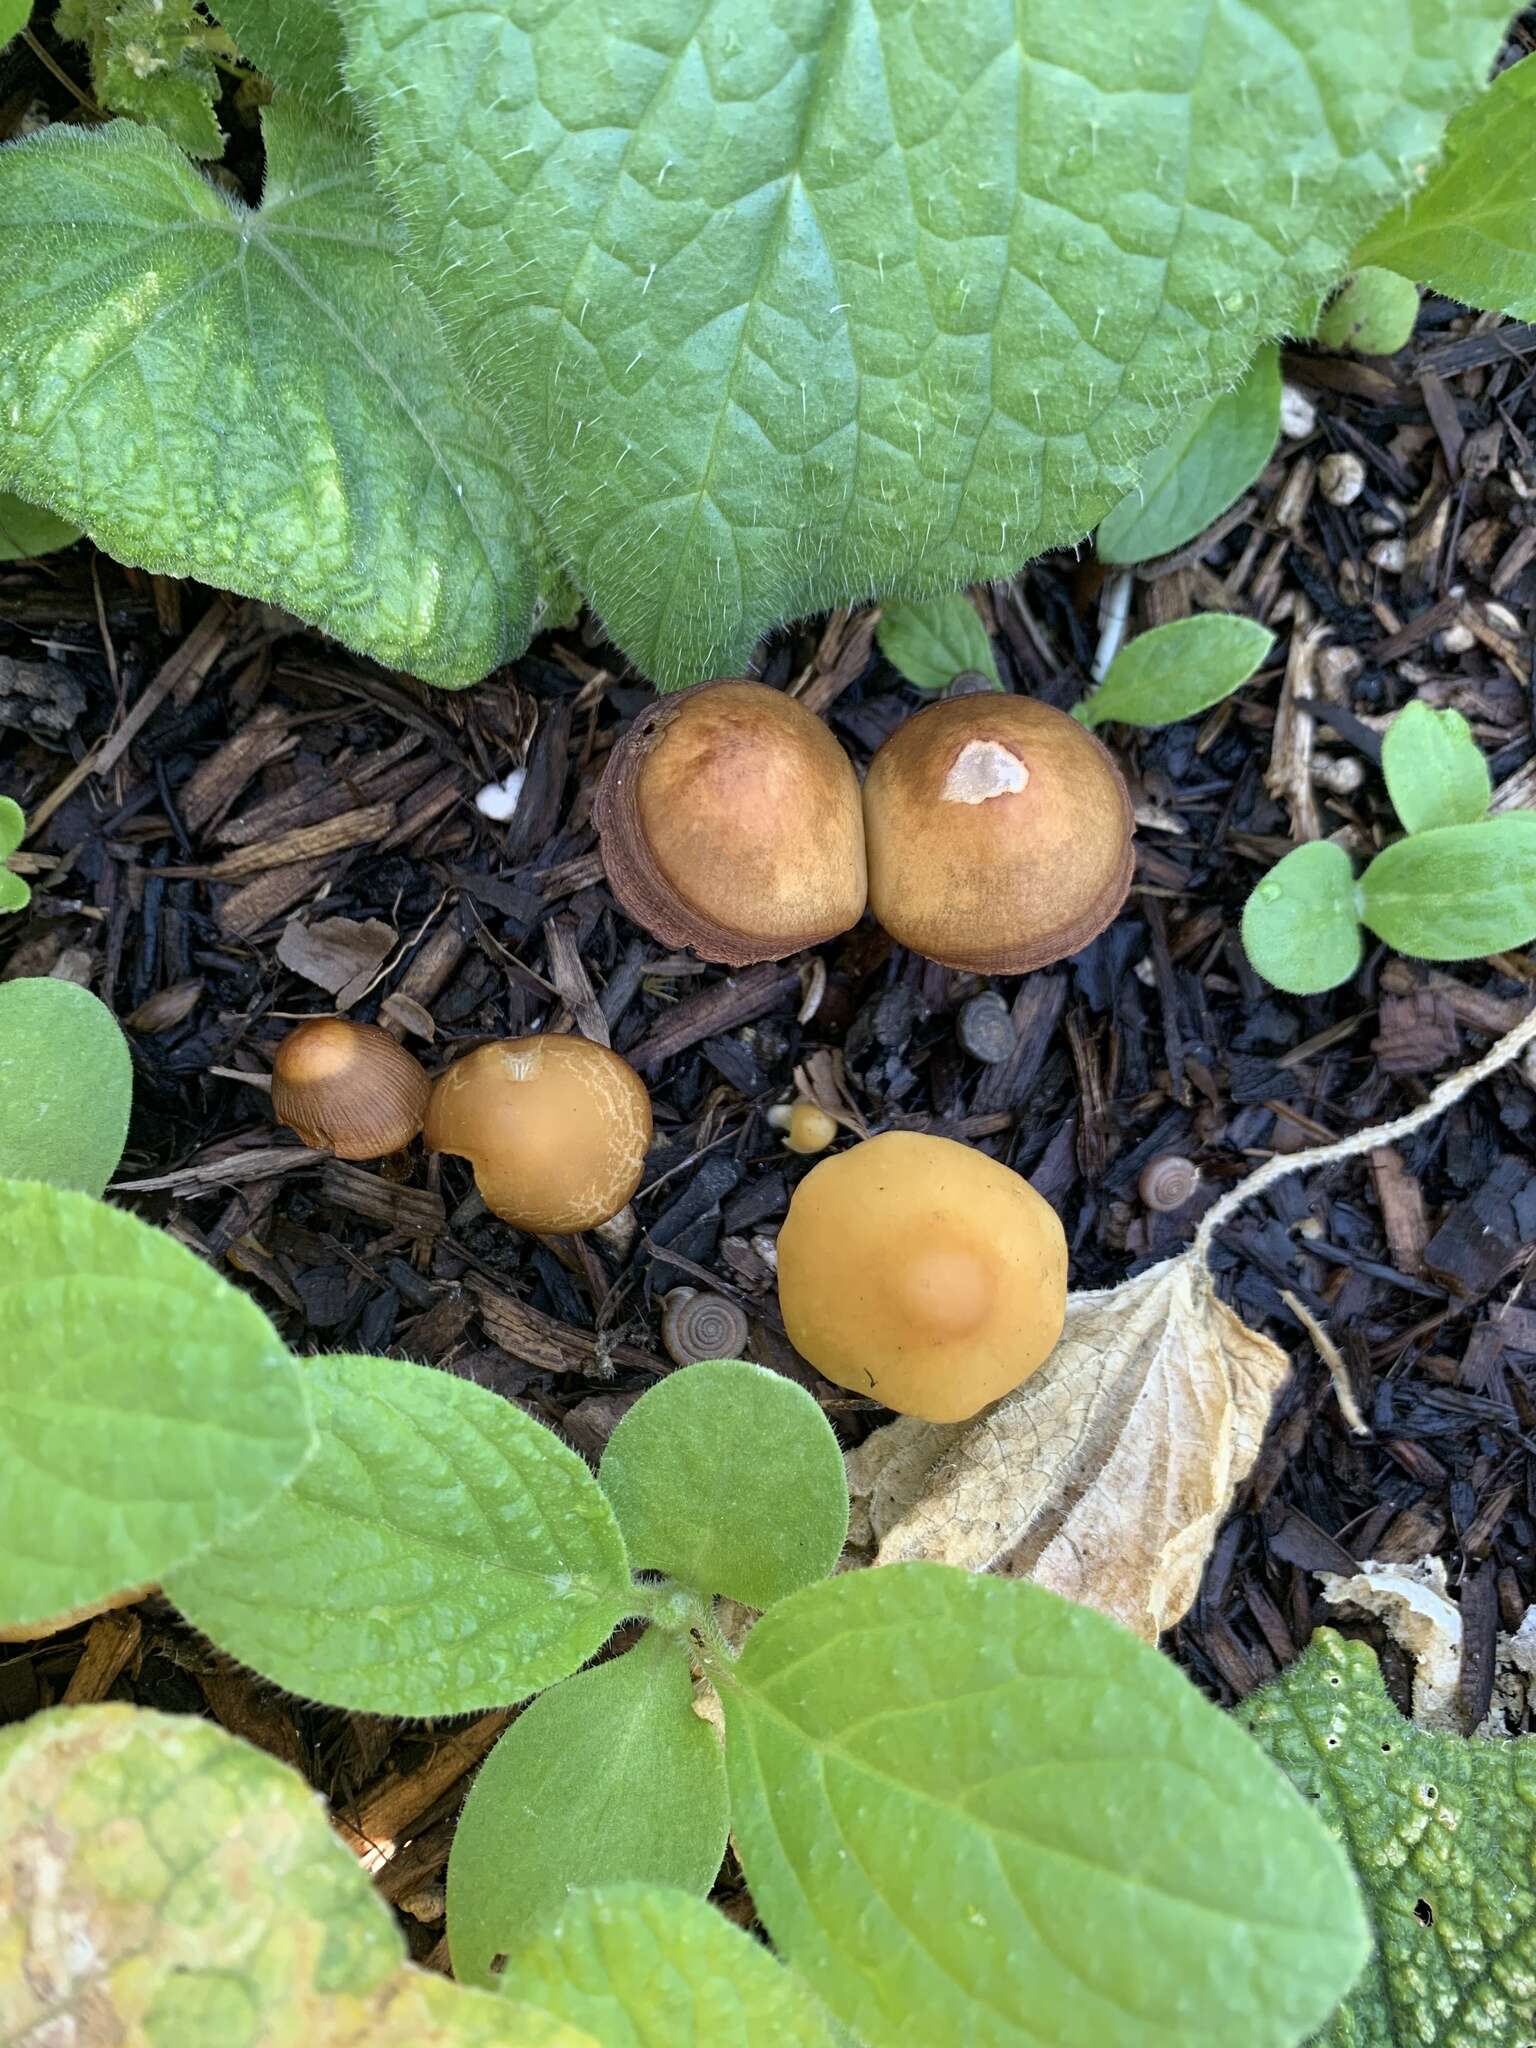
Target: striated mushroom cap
x: 998, y: 834
x: 348, y: 1088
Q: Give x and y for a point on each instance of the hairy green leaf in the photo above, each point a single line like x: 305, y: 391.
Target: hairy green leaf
x: 729, y: 1478
x: 1301, y: 925
x: 969, y: 1810
x: 66, y: 1083
x: 1434, y: 769
x: 152, y: 60
x: 146, y: 1407
x: 935, y: 639
x: 786, y: 304
x: 1470, y: 232
x: 608, y: 1777
x: 27, y: 530
x: 1374, y: 312
x: 1212, y: 456
x: 297, y: 43
x: 1458, y: 892
x: 258, y: 399
x: 441, y: 1552
x: 1442, y: 1834
x: 639, y: 1966
x: 166, y: 1884
x: 1178, y: 669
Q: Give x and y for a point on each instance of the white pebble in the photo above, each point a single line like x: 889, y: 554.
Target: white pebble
x: 1389, y: 556
x: 1298, y: 415
x: 1341, y: 478
x: 499, y: 800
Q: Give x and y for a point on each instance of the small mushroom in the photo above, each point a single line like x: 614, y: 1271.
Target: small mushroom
x: 556, y: 1128
x: 730, y: 822
x: 923, y: 1273
x: 697, y: 1326
x: 998, y: 834
x: 807, y: 1127
x: 1168, y: 1182
x: 348, y: 1088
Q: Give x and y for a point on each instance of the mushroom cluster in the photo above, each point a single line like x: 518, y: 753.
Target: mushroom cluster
x: 993, y: 833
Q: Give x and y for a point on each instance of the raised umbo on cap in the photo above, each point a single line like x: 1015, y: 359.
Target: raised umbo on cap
x: 348, y: 1088
x: 922, y: 1273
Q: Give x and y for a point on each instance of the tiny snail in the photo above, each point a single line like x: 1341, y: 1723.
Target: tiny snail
x: 697, y: 1326
x: 1168, y: 1181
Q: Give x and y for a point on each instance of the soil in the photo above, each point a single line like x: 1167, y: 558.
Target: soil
x: 290, y: 829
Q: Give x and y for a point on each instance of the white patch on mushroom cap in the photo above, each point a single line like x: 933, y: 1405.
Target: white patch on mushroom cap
x: 982, y: 769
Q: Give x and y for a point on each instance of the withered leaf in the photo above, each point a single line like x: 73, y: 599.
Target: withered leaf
x: 1106, y: 1475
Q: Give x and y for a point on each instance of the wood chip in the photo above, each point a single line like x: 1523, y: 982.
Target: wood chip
x: 419, y: 1212
x: 214, y: 784
x: 540, y: 1341
x: 387, y: 1811
x: 306, y: 843
x: 338, y: 954
x: 245, y: 911
x: 1402, y: 1209
x: 110, y: 1643
x: 1417, y: 1033
x: 229, y: 1168
x: 239, y: 1704
x: 736, y: 1000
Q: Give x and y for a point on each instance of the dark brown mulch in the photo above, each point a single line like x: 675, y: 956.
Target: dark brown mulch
x: 277, y: 783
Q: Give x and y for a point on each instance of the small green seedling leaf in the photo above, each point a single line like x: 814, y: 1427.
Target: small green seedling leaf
x: 15, y: 894
x: 152, y: 60
x: 729, y: 1478
x: 1442, y: 1835
x: 14, y: 16
x: 197, y: 1893
x: 1460, y: 892
x: 146, y: 1407
x: 27, y: 531
x: 1467, y: 233
x: 1301, y: 925
x: 440, y: 1553
x: 609, y: 1777
x: 935, y: 640
x: 1178, y: 669
x: 1435, y: 771
x: 1005, y: 1776
x: 1372, y: 312
x: 66, y: 1085
x: 1213, y: 455
x: 639, y: 1966
x: 258, y: 399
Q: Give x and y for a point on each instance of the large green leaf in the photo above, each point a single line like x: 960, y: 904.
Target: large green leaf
x: 729, y: 1478
x: 258, y: 399
x: 970, y: 1811
x: 1442, y: 1834
x: 1471, y: 231
x: 297, y: 43
x: 146, y: 1407
x: 1301, y: 925
x: 1459, y: 892
x: 608, y: 1777
x: 441, y: 1552
x: 1209, y: 460
x: 167, y: 1885
x: 639, y: 1966
x: 66, y: 1084
x: 786, y: 302
x: 1178, y: 669
x: 932, y: 640
x: 27, y: 530
x: 1434, y: 769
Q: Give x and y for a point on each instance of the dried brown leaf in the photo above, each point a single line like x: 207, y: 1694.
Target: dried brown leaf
x: 1106, y: 1475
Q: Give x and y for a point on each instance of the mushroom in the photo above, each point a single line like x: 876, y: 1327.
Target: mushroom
x: 730, y: 822
x: 998, y: 834
x: 556, y: 1129
x: 348, y: 1088
x: 923, y: 1273
x: 807, y: 1127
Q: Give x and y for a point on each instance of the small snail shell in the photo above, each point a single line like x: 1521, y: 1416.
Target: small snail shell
x: 697, y: 1326
x: 1168, y: 1181
x: 348, y: 1088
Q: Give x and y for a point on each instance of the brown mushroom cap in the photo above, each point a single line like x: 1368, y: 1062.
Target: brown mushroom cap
x: 348, y: 1088
x: 556, y: 1128
x: 922, y: 1273
x: 730, y: 822
x: 998, y: 834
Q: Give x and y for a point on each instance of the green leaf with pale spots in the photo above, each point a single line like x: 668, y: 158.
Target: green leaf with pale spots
x: 146, y: 1407
x: 970, y: 1811
x: 641, y: 1966
x: 787, y: 304
x: 1442, y: 1836
x: 166, y: 1884
x: 441, y: 1552
x: 258, y: 399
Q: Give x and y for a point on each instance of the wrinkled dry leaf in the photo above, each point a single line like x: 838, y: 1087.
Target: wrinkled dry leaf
x: 1106, y: 1475
x: 338, y: 954
x: 1410, y: 1601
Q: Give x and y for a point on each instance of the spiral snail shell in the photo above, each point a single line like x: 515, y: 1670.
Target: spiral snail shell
x: 1168, y: 1181
x: 697, y: 1326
